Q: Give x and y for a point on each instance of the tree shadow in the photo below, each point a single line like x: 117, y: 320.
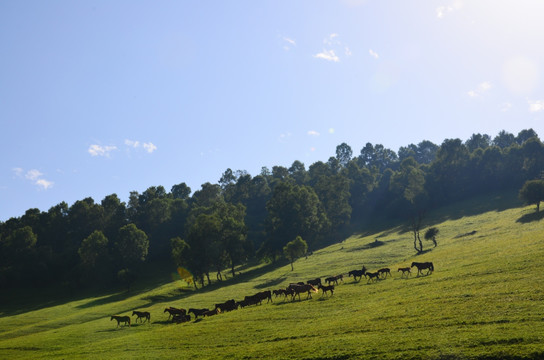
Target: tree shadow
x: 271, y: 283
x: 372, y: 245
x: 527, y: 218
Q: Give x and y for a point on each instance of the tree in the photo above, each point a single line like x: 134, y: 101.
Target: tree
x: 532, y: 192
x: 504, y: 139
x: 409, y: 186
x: 293, y: 210
x: 93, y: 249
x: 181, y: 191
x: 478, y: 141
x: 132, y: 244
x: 22, y: 239
x: 343, y: 154
x: 431, y: 234
x: 204, y: 239
x: 525, y: 135
x: 295, y: 249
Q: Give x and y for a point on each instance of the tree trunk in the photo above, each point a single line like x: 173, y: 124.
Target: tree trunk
x: 208, y: 277
x: 292, y: 268
x: 415, y: 241
x: 434, y: 241
x: 420, y: 243
x: 232, y: 270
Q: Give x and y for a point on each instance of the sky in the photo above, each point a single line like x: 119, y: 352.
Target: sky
x: 104, y: 97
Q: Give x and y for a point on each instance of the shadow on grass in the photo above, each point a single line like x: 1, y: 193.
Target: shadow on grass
x: 372, y: 245
x: 527, y: 218
x: 271, y: 283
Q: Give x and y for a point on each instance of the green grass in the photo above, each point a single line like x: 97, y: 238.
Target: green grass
x: 485, y: 300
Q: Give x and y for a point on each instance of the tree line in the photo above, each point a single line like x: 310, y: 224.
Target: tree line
x: 212, y: 230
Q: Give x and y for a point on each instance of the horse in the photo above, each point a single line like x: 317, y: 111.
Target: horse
x: 372, y: 276
x: 422, y: 266
x: 267, y: 294
x: 197, y: 312
x: 334, y: 279
x: 173, y: 311
x: 384, y: 271
x: 357, y: 273
x: 121, y: 319
x: 226, y: 306
x: 405, y: 270
x: 212, y: 312
x: 326, y: 288
x: 142, y: 315
x: 314, y: 282
x: 297, y: 289
x: 178, y: 318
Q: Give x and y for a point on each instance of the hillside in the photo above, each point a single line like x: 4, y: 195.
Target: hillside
x: 483, y: 301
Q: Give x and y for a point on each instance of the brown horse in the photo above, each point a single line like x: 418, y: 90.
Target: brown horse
x: 357, y: 273
x: 405, y: 270
x: 334, y: 279
x: 197, y: 312
x: 142, y: 315
x: 327, y: 288
x: 121, y: 319
x: 174, y: 311
x: 384, y: 271
x: 423, y: 266
x: 297, y: 289
x: 372, y: 276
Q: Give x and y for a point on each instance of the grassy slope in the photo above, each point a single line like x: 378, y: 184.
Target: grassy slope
x: 485, y: 299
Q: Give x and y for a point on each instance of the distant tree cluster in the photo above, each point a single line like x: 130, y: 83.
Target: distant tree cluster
x: 265, y: 216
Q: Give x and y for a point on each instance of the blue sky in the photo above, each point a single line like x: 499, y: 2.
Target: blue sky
x: 103, y: 97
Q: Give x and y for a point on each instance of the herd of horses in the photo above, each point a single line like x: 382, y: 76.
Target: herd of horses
x: 180, y: 315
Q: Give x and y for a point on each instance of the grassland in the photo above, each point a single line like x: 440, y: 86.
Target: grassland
x: 485, y: 300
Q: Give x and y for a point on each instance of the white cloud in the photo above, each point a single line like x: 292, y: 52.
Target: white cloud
x: 480, y: 90
x: 18, y: 171
x: 44, y: 184
x: 441, y: 11
x: 333, y: 47
x: 506, y: 106
x: 285, y: 136
x: 373, y: 53
x: 313, y: 133
x: 98, y: 150
x: 290, y: 41
x: 328, y: 55
x: 536, y: 106
x: 330, y: 40
x: 132, y: 143
x: 149, y: 147
x: 33, y: 174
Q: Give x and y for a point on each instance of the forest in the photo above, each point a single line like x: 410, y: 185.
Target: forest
x: 242, y: 218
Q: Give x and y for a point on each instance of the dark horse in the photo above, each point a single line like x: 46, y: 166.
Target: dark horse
x: 174, y: 311
x: 357, y: 273
x: 121, y: 319
x: 198, y: 312
x: 142, y: 315
x: 385, y: 271
x: 422, y: 266
x: 329, y: 288
x: 297, y: 289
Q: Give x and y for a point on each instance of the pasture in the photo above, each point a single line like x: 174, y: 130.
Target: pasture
x: 484, y: 300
